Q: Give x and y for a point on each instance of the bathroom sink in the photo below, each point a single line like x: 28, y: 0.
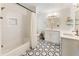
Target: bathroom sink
x: 69, y: 34
x: 74, y: 35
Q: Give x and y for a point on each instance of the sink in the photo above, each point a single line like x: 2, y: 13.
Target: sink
x: 69, y: 34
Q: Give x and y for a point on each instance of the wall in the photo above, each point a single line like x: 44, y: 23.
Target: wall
x: 41, y: 22
x: 65, y: 12
x: 15, y: 35
x: 0, y: 36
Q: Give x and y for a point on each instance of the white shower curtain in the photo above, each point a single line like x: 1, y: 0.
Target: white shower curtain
x: 33, y: 30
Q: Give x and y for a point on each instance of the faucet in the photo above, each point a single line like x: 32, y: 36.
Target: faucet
x: 77, y: 33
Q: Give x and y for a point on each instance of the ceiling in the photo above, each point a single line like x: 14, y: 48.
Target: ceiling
x: 51, y: 7
x: 46, y: 7
x: 30, y: 6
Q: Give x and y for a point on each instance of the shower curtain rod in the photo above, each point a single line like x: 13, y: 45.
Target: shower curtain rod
x: 25, y: 7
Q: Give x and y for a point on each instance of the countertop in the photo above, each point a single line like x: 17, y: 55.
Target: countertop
x: 70, y: 36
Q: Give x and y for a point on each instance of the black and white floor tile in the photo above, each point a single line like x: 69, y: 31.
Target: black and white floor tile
x: 44, y: 48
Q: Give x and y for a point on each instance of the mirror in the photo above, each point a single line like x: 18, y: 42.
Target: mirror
x: 77, y: 18
x: 64, y: 20
x: 53, y: 22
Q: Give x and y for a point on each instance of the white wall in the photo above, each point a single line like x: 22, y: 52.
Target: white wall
x: 14, y: 35
x: 41, y: 22
x: 65, y: 12
x: 33, y: 30
x: 0, y: 36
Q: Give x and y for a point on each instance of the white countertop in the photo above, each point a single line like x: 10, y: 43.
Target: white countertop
x: 66, y: 34
x: 70, y: 36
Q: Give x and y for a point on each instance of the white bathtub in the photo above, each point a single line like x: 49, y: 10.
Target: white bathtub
x: 20, y: 50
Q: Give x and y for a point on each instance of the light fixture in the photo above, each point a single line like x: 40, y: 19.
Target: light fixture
x: 53, y: 14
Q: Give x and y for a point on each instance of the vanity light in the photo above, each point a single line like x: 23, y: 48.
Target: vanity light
x: 53, y: 14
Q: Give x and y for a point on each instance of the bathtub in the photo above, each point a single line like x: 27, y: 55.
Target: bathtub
x: 18, y: 51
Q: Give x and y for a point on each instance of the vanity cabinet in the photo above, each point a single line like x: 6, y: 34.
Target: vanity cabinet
x: 70, y: 47
x: 52, y: 36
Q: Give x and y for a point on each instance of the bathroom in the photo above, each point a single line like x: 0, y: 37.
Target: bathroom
x: 60, y: 24
x: 22, y: 23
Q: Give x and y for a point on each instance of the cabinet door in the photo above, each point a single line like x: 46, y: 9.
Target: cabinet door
x: 70, y: 47
x: 52, y: 36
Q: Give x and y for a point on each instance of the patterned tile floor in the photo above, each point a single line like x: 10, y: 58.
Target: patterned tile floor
x: 44, y: 48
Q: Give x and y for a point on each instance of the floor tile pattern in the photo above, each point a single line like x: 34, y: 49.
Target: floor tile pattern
x: 44, y: 48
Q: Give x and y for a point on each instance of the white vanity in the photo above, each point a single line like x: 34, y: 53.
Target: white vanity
x: 52, y: 36
x: 70, y: 44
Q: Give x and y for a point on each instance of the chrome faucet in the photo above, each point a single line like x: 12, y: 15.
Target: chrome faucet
x: 77, y: 33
